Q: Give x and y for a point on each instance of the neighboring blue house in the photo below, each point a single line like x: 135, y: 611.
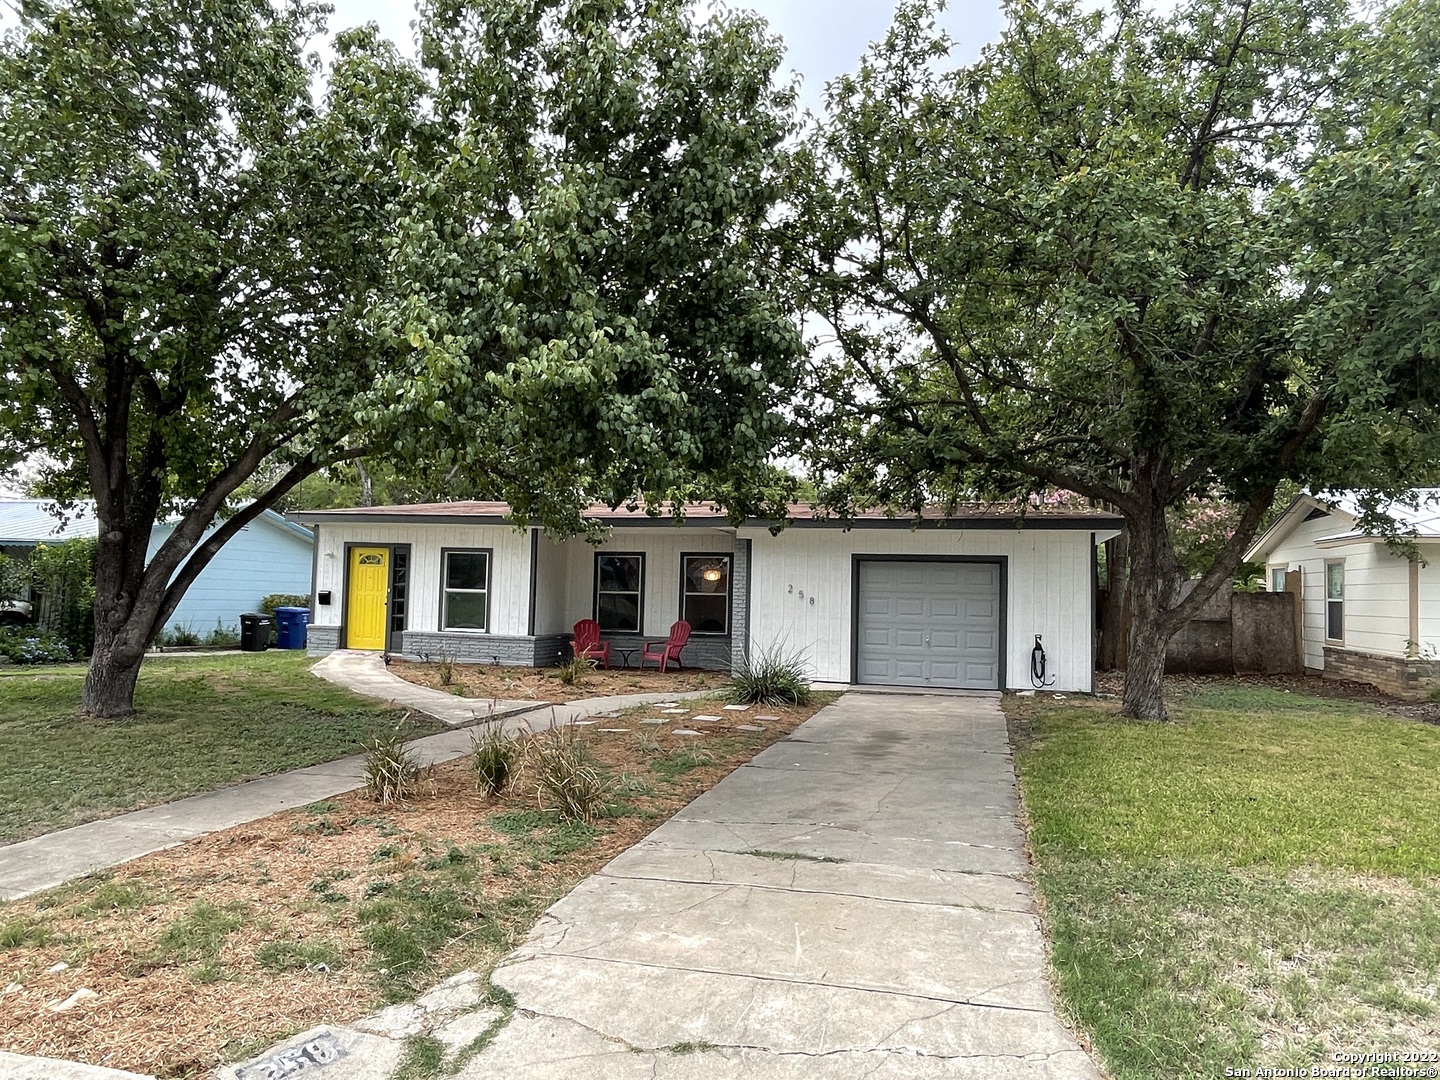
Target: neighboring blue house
x: 270, y: 555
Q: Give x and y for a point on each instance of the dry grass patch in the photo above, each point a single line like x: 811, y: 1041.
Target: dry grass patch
x: 208, y: 952
x: 490, y: 682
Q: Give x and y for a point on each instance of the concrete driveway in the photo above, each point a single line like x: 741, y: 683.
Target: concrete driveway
x: 852, y: 903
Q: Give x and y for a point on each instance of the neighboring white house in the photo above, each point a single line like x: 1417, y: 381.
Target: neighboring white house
x: 1366, y: 613
x: 270, y: 555
x: 952, y: 602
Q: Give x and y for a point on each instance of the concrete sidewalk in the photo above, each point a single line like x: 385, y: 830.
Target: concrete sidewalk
x: 852, y: 903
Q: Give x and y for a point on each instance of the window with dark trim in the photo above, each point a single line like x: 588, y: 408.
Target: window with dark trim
x: 1277, y: 578
x: 465, y: 581
x: 619, y: 592
x: 1334, y: 601
x: 705, y: 593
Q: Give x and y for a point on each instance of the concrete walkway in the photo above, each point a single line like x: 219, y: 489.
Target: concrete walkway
x: 852, y: 903
x: 55, y: 858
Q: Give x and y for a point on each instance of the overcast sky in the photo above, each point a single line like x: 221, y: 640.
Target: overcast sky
x: 825, y: 37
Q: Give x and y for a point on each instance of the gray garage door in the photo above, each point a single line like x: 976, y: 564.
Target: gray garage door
x: 929, y: 624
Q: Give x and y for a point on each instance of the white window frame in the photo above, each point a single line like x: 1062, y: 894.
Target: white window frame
x: 446, y: 590
x: 1338, y: 600
x: 1282, y: 569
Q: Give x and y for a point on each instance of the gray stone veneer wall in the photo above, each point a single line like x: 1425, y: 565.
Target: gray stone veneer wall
x: 516, y: 651
x: 1392, y: 674
x: 740, y: 605
x: 321, y: 640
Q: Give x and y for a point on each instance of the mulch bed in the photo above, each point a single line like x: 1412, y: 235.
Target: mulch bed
x: 543, y: 684
x: 305, y: 877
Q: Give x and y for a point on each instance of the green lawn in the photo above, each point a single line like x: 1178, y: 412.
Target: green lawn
x: 1255, y: 884
x: 201, y: 723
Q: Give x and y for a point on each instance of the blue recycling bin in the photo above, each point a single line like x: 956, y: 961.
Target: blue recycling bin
x: 290, y: 627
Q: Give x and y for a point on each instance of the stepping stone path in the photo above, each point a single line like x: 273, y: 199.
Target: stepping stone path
x: 736, y: 708
x: 707, y: 719
x: 615, y: 731
x: 751, y: 727
x: 585, y: 723
x: 673, y: 711
x: 765, y: 719
x: 656, y: 720
x: 684, y: 731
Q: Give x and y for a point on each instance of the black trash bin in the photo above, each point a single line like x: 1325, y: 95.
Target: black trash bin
x: 290, y: 623
x: 255, y: 632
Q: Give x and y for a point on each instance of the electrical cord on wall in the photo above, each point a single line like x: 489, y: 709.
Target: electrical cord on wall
x: 1037, y: 667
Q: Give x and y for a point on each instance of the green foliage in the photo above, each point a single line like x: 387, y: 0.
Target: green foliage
x: 28, y: 645
x: 1140, y: 255
x: 495, y: 759
x: 299, y: 955
x: 774, y: 676
x: 178, y: 636
x: 64, y: 574
x: 14, y: 579
x: 226, y: 636
x: 406, y: 925
x: 392, y: 769
x: 575, y: 670
x: 567, y: 782
x: 276, y: 600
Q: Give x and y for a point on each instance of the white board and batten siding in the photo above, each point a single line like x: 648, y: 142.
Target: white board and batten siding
x: 1377, y: 591
x: 801, y: 593
x: 509, y: 569
x: 566, y: 582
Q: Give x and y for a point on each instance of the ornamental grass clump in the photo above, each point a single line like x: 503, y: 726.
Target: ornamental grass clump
x: 773, y: 676
x: 392, y: 770
x: 566, y: 781
x: 495, y: 759
x: 573, y: 672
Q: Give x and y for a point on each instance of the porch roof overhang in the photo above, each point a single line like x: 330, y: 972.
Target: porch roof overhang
x: 708, y: 515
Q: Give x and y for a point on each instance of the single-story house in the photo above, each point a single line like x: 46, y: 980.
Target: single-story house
x: 945, y: 601
x: 270, y: 555
x: 1365, y: 612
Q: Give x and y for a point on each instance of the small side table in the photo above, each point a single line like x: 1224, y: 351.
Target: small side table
x: 625, y: 655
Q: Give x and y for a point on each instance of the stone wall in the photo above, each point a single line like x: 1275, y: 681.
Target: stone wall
x: 1396, y: 675
x: 322, y: 640
x: 513, y: 651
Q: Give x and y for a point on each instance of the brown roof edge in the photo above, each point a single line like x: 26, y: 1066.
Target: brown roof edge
x: 990, y: 514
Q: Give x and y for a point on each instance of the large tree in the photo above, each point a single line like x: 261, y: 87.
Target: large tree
x: 539, y: 264
x: 1143, y: 257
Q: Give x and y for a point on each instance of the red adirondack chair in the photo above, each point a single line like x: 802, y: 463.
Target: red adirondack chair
x: 587, y: 642
x: 662, y: 652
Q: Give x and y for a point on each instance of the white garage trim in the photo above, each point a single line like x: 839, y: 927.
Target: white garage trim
x: 1001, y: 562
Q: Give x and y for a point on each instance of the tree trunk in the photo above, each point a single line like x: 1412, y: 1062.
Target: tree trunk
x: 1155, y: 577
x: 367, y: 486
x: 1144, y: 697
x: 1117, y: 552
x: 110, y: 682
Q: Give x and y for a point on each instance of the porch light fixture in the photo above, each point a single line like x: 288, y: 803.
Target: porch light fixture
x: 711, y: 573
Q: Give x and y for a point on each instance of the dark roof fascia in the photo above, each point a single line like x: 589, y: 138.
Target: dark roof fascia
x: 1014, y: 523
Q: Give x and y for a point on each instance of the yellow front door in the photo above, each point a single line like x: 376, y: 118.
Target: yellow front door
x: 369, y: 589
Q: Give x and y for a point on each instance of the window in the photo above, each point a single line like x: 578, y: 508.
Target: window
x: 399, y: 588
x: 619, y: 592
x: 705, y: 593
x: 466, y: 601
x: 1277, y: 579
x: 1334, y: 601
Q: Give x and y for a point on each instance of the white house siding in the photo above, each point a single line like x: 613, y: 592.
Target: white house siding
x: 509, y: 569
x: 1430, y: 601
x: 1377, y: 590
x: 801, y: 583
x: 552, y: 591
x: 264, y: 557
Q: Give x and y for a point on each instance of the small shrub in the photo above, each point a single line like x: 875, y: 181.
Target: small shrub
x: 179, y: 636
x: 566, y: 782
x: 274, y: 600
x: 392, y: 771
x: 30, y: 646
x: 573, y: 672
x: 445, y: 668
x: 227, y: 636
x: 495, y: 759
x: 774, y: 676
x: 647, y: 743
